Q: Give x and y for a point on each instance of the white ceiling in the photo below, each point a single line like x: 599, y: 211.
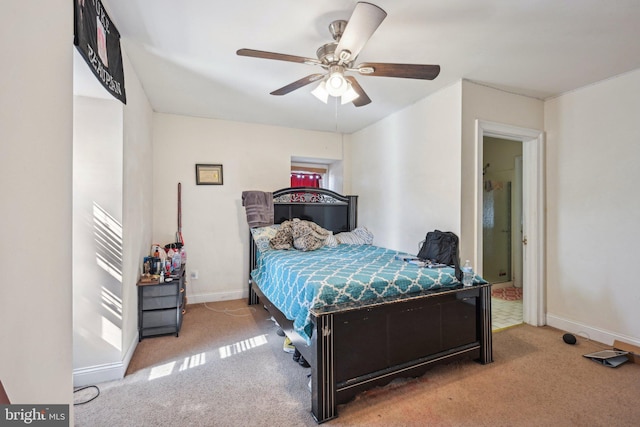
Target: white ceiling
x: 184, y: 52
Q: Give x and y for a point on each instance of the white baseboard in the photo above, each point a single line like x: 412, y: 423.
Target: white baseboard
x: 585, y: 331
x: 92, y: 375
x: 216, y: 296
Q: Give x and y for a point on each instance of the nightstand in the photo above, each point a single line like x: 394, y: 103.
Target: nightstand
x: 161, y: 306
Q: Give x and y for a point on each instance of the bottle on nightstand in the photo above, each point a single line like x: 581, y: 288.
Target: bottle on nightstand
x: 467, y: 274
x: 183, y: 256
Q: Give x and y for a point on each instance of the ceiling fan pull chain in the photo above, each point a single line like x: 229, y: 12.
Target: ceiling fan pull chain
x: 336, y: 113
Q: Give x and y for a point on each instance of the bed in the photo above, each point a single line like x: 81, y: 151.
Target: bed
x: 358, y: 314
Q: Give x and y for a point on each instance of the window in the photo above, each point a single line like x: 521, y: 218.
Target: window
x: 306, y: 179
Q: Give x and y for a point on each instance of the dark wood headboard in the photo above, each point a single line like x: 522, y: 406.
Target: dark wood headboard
x: 326, y: 208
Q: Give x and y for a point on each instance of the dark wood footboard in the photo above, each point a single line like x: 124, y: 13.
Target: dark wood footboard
x: 357, y: 348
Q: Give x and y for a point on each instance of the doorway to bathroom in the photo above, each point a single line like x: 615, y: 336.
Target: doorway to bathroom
x: 502, y: 228
x: 533, y: 212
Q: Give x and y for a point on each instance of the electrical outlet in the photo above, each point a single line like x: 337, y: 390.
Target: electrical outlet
x: 194, y: 274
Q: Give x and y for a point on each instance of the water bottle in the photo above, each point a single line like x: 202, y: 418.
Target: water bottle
x: 467, y: 274
x: 176, y: 261
x: 183, y: 256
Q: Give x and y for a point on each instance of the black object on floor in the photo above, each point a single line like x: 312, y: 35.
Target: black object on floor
x: 297, y: 357
x: 303, y: 363
x: 569, y: 339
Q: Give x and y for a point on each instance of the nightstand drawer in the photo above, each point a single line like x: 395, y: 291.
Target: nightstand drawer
x: 156, y: 303
x: 153, y: 319
x: 161, y: 290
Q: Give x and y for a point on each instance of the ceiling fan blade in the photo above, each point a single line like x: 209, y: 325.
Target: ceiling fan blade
x: 407, y: 71
x: 278, y: 56
x: 297, y: 84
x: 364, y: 21
x: 362, y: 98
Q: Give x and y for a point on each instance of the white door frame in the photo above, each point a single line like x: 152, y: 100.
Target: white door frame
x: 533, y: 211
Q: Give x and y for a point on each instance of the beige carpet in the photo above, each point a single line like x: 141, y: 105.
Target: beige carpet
x: 227, y: 368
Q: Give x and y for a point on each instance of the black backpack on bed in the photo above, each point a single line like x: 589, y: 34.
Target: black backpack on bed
x: 442, y: 247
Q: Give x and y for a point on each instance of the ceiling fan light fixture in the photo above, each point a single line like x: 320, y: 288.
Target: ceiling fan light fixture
x: 349, y: 95
x: 320, y: 92
x: 336, y: 84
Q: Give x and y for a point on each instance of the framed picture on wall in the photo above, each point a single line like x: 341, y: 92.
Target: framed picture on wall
x: 208, y: 174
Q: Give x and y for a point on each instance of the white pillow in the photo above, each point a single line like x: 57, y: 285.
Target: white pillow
x: 331, y: 241
x: 359, y: 236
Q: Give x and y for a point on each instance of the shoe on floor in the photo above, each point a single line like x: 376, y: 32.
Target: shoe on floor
x: 279, y: 332
x: 296, y: 356
x: 303, y: 362
x: 288, y: 347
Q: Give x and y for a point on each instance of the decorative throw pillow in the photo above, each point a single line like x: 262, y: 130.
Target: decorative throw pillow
x: 262, y: 236
x: 359, y: 236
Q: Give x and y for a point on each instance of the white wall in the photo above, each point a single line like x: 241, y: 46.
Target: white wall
x: 35, y: 208
x: 214, y: 227
x: 113, y: 190
x: 137, y: 204
x: 484, y: 103
x: 593, y: 198
x: 406, y: 171
x: 97, y: 231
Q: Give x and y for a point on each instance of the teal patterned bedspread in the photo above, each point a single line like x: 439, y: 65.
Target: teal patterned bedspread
x: 297, y: 282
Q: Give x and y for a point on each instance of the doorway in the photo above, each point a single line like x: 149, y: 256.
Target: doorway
x: 502, y: 212
x: 532, y: 239
x: 502, y: 228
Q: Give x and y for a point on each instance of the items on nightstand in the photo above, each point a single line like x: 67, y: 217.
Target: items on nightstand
x: 158, y: 252
x: 176, y: 261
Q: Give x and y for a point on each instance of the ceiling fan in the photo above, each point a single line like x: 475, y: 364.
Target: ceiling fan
x: 338, y: 57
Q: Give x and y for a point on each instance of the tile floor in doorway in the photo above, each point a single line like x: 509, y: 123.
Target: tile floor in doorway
x: 505, y: 313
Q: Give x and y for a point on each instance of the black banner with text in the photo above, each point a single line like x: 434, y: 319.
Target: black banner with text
x: 98, y: 41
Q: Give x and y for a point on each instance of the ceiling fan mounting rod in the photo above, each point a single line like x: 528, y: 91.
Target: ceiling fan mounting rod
x: 336, y: 28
